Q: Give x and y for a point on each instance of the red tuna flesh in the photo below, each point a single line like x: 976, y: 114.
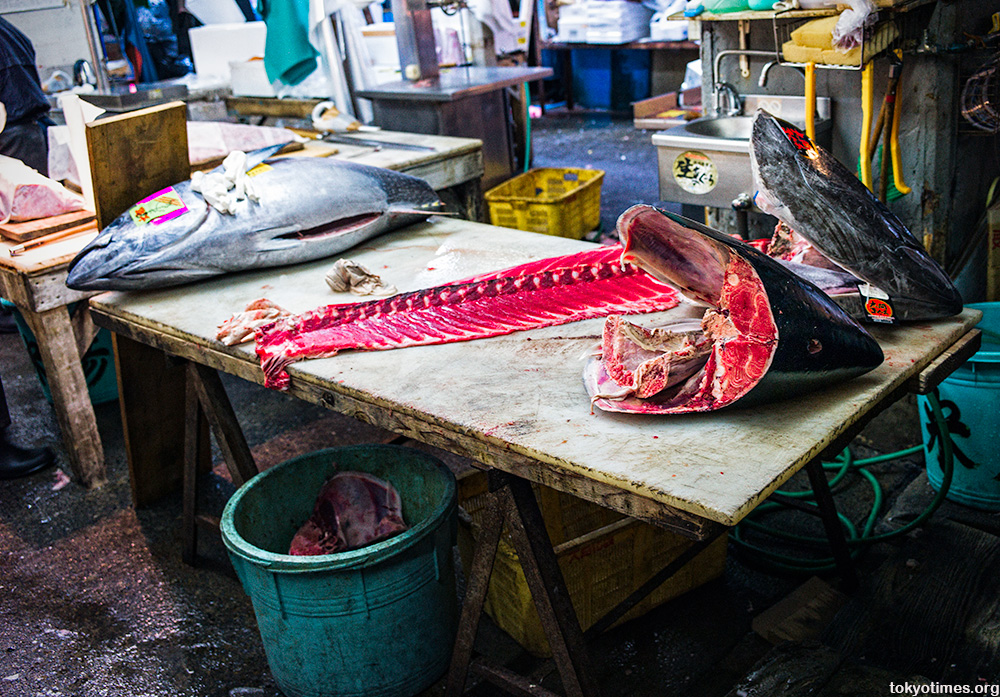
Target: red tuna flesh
x: 353, y: 509
x: 766, y: 334
x: 588, y: 284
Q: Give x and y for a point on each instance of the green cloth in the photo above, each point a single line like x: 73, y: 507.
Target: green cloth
x: 288, y: 55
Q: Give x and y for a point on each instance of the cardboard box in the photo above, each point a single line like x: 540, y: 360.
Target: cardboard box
x: 651, y: 113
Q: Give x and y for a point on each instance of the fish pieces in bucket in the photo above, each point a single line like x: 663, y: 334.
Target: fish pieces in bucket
x: 353, y: 509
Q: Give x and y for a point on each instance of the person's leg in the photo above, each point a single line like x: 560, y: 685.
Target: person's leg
x: 16, y: 461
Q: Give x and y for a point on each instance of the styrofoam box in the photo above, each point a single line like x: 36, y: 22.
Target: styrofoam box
x: 571, y: 31
x: 249, y: 79
x: 215, y: 46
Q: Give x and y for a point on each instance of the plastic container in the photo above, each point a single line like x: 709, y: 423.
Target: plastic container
x: 98, y: 362
x: 603, y: 556
x: 552, y: 200
x: 378, y: 621
x: 762, y: 4
x: 970, y: 402
x: 722, y: 6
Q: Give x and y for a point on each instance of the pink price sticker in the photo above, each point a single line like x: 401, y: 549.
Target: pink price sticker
x: 158, y: 208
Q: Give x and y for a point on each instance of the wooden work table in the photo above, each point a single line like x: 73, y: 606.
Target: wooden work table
x: 35, y: 281
x: 516, y: 403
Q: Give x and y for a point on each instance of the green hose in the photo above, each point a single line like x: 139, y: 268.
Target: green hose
x: 842, y: 466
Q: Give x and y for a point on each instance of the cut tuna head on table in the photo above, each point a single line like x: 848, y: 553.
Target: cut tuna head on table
x: 811, y: 192
x: 766, y: 333
x: 301, y: 208
x: 353, y: 509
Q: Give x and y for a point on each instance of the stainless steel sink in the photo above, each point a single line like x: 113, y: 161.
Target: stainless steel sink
x: 706, y: 162
x: 727, y: 127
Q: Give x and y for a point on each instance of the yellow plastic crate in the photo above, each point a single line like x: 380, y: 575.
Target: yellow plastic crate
x: 552, y: 200
x: 603, y: 556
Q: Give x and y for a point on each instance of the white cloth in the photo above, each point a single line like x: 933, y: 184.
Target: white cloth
x: 222, y: 190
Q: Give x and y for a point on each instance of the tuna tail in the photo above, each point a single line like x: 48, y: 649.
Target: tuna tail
x: 785, y: 336
x: 809, y: 190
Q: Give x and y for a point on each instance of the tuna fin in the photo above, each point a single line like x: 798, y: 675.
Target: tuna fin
x: 255, y: 157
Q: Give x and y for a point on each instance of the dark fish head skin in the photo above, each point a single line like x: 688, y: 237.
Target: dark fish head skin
x: 308, y: 208
x: 807, y: 188
x: 817, y: 342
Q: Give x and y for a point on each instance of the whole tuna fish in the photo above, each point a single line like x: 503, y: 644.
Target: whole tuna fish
x: 307, y: 208
x: 766, y: 334
x: 808, y: 189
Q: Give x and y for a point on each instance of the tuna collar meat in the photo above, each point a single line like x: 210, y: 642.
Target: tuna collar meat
x: 766, y: 333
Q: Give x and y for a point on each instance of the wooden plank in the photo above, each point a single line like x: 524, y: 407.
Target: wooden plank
x: 228, y: 434
x: 803, y: 614
x: 477, y: 584
x: 931, y: 609
x: 946, y: 364
x: 548, y: 588
x: 32, y: 229
x: 272, y: 107
x: 136, y: 154
x: 150, y: 419
x: 70, y: 398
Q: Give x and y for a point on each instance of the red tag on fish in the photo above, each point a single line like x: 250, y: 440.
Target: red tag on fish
x: 799, y: 139
x: 877, y: 304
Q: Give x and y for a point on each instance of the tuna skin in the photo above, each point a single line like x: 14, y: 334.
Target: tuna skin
x: 775, y: 334
x: 588, y: 284
x: 309, y: 208
x: 810, y: 191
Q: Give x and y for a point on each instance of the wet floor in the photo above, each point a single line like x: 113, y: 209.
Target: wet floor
x: 94, y: 599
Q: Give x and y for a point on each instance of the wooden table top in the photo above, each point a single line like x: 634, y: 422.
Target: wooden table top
x: 517, y: 402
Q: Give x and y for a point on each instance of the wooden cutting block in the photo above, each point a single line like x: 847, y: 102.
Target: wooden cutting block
x: 30, y: 229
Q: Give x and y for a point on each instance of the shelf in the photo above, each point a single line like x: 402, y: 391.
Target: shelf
x: 894, y: 5
x: 641, y: 44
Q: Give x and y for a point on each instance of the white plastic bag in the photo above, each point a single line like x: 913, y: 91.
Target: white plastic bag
x: 850, y: 29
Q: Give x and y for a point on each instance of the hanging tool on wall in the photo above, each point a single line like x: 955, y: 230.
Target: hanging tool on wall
x: 887, y: 128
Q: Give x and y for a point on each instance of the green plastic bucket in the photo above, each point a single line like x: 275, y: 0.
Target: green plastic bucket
x: 377, y: 621
x: 98, y: 362
x: 970, y: 403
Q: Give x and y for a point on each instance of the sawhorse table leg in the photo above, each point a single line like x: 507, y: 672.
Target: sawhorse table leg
x: 205, y: 397
x: 61, y: 354
x: 512, y: 500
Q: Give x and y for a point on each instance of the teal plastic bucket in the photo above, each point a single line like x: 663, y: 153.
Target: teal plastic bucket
x: 970, y: 403
x: 378, y: 621
x: 98, y: 362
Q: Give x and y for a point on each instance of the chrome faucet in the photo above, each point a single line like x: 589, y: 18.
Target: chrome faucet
x: 770, y: 64
x: 734, y: 105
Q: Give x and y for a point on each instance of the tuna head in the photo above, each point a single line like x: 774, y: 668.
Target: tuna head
x: 766, y: 334
x: 306, y: 208
x: 808, y: 189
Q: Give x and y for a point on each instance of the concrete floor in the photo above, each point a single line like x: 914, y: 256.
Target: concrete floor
x: 94, y: 599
